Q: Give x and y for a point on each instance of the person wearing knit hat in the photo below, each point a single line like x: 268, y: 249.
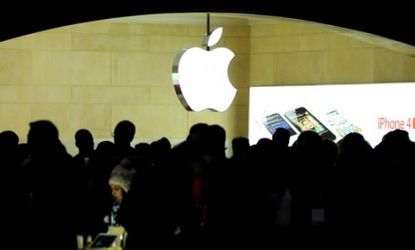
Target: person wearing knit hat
x: 120, y: 183
x: 120, y: 179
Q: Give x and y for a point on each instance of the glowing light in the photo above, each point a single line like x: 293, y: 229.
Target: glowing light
x: 200, y: 78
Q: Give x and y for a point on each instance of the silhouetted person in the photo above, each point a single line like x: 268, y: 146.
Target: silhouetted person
x: 123, y: 136
x: 145, y: 207
x: 281, y: 137
x: 211, y: 185
x: 51, y: 190
x: 12, y: 185
x: 100, y: 200
x: 160, y: 147
x: 354, y: 205
x: 142, y: 150
x: 185, y: 165
x: 105, y: 148
x: 280, y: 173
x: 395, y: 156
x: 84, y: 142
x: 308, y: 181
x: 240, y: 147
x: 9, y: 158
x: 8, y: 140
x: 257, y: 185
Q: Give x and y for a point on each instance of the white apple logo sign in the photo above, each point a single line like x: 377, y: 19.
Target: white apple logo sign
x: 200, y: 77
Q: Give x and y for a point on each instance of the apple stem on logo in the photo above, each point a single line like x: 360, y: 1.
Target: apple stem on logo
x: 210, y: 39
x: 207, y: 29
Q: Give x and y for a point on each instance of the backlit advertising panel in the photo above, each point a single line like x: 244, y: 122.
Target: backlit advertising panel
x: 333, y: 111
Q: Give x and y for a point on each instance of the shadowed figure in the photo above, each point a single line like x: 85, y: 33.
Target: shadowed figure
x: 12, y: 202
x: 84, y: 142
x: 240, y: 147
x: 9, y: 157
x: 354, y: 207
x: 281, y: 137
x: 308, y: 182
x: 51, y: 190
x: 184, y: 183
x: 123, y: 135
x: 395, y: 156
x: 99, y: 202
x: 212, y: 185
x: 146, y: 206
x: 280, y: 172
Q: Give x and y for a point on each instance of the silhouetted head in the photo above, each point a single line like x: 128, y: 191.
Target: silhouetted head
x: 43, y: 136
x: 105, y: 148
x: 142, y: 149
x: 84, y: 141
x: 213, y: 142
x: 308, y: 142
x: 264, y: 142
x: 396, y: 136
x: 196, y: 132
x: 281, y: 136
x: 240, y: 146
x: 8, y: 140
x: 353, y: 143
x: 124, y: 133
x: 161, y: 146
x: 218, y: 135
x: 164, y: 143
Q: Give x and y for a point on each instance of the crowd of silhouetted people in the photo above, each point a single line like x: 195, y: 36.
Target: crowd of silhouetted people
x: 191, y: 194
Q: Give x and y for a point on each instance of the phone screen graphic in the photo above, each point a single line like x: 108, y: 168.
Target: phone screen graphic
x: 340, y: 124
x: 274, y: 121
x: 303, y: 120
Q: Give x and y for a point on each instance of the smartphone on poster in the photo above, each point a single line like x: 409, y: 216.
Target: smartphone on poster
x: 274, y: 121
x: 303, y: 120
x: 340, y: 124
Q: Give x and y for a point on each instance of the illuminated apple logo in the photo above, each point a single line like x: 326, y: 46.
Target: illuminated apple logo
x: 200, y: 77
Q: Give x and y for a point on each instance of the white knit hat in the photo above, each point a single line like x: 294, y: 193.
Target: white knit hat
x: 122, y: 175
